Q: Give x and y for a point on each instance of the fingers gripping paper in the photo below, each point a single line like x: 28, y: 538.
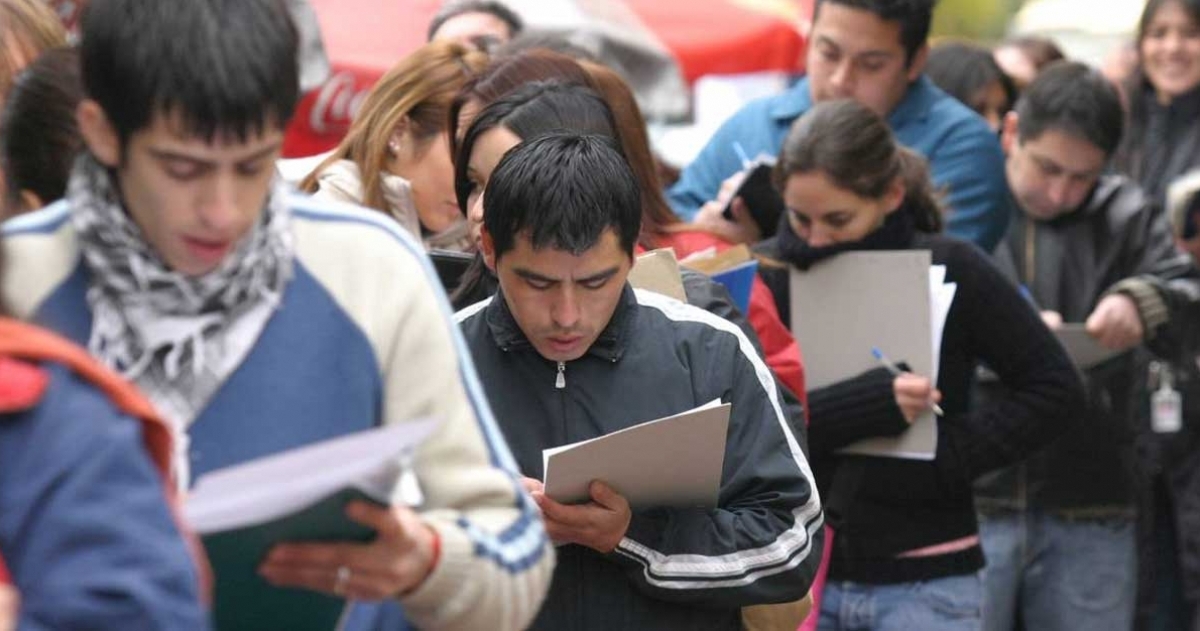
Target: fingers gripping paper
x: 895, y: 301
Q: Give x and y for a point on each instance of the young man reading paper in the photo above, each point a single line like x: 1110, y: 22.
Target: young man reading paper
x: 257, y: 321
x: 569, y: 351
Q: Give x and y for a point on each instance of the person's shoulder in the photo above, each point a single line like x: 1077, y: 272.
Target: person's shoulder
x: 40, y: 251
x: 348, y: 236
x: 951, y: 251
x: 683, y: 322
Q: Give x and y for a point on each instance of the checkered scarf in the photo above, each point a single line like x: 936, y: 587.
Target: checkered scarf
x: 177, y: 337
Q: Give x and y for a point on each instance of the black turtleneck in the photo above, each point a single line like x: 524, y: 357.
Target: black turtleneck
x: 881, y: 507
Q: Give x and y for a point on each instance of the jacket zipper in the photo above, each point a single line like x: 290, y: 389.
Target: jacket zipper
x: 1030, y: 275
x: 560, y: 380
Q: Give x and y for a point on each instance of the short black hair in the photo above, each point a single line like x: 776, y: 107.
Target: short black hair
x: 497, y: 9
x: 915, y: 18
x: 226, y: 67
x: 563, y: 190
x: 1076, y: 99
x: 38, y: 133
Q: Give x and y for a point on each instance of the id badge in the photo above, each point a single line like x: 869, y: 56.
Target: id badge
x: 1166, y: 410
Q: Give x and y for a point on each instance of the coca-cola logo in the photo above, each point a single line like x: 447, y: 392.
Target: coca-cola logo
x: 337, y: 102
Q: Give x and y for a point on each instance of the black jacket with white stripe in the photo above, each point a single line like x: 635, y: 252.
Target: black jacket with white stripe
x: 675, y: 568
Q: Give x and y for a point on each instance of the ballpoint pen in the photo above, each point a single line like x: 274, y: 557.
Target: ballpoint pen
x: 896, y: 372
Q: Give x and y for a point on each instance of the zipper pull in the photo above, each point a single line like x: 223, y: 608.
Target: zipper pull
x: 560, y: 381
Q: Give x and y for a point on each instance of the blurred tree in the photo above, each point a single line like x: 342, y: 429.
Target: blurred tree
x: 982, y: 20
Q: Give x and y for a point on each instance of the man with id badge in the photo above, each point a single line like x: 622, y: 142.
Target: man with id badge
x: 1090, y: 250
x: 1168, y: 444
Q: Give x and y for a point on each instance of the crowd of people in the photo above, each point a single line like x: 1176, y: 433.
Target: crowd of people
x: 171, y: 306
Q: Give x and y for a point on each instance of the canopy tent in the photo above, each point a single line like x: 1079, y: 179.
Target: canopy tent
x: 661, y: 46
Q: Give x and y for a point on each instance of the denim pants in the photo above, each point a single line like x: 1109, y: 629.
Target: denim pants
x: 1056, y: 573
x: 953, y: 603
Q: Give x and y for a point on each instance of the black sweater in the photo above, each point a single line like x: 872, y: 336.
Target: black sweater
x: 882, y: 507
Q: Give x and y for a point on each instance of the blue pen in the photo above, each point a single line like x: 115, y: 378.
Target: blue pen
x: 896, y: 372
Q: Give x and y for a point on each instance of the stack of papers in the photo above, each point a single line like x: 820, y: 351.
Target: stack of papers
x: 892, y: 300
x: 674, y: 461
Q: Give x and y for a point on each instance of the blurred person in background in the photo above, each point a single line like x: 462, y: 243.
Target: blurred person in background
x: 39, y: 137
x: 484, y: 24
x: 1088, y: 247
x: 27, y: 28
x: 396, y: 156
x: 1168, y: 532
x: 1024, y: 56
x: 1163, y: 141
x: 970, y: 74
x: 873, y: 51
x: 89, y: 533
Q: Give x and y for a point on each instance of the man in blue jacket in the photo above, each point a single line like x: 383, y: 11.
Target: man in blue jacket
x: 568, y: 351
x: 872, y: 51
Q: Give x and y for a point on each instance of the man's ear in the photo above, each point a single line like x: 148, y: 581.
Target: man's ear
x: 488, y: 248
x: 98, y: 133
x: 1008, y: 132
x: 916, y: 65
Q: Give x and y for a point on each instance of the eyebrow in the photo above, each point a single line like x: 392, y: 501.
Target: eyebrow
x: 824, y: 39
x: 1045, y: 161
x: 532, y: 275
x: 167, y: 154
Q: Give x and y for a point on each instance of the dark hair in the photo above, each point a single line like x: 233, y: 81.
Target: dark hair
x: 914, y: 16
x: 962, y: 70
x: 1129, y: 158
x: 855, y: 149
x: 657, y: 216
x: 38, y: 134
x: 1041, y: 51
x: 538, y: 108
x: 225, y: 67
x: 565, y: 191
x: 496, y: 9
x: 1076, y: 99
x: 505, y: 74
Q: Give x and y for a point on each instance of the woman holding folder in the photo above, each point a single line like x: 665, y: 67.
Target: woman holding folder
x: 906, y: 544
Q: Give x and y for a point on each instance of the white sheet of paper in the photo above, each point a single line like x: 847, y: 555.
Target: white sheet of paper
x: 855, y: 301
x: 258, y: 491
x: 674, y: 461
x: 1084, y: 350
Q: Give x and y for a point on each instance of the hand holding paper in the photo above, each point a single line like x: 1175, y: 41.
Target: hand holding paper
x: 599, y: 524
x: 1115, y: 323
x: 396, y: 562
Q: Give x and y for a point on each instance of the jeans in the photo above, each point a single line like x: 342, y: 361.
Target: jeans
x: 1049, y: 572
x: 953, y: 603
